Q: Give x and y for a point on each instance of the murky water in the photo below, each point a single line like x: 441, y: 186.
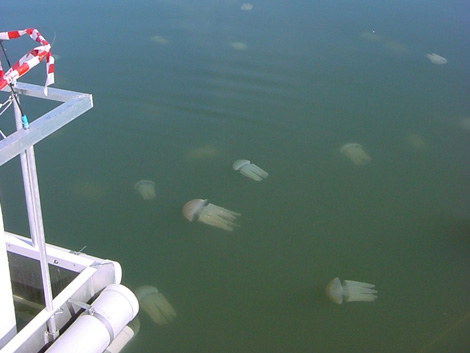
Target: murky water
x: 183, y: 88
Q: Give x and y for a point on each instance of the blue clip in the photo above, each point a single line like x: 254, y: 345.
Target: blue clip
x: 25, y: 122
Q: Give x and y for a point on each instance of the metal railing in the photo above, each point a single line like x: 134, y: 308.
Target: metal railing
x: 21, y: 143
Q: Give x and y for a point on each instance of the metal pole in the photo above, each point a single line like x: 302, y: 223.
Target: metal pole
x: 33, y: 205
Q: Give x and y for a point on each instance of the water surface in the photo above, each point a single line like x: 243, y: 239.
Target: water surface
x: 176, y: 102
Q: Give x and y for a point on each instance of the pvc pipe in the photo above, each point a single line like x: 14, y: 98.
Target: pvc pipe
x: 124, y: 337
x: 97, y: 327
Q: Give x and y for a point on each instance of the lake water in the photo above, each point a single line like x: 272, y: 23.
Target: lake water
x: 182, y: 89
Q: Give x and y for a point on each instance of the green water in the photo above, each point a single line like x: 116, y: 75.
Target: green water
x: 180, y: 108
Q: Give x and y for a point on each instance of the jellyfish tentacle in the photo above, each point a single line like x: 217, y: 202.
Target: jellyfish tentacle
x: 162, y: 320
x: 359, y: 291
x: 218, y: 221
x: 219, y: 217
x: 154, y: 312
x: 261, y: 172
x: 360, y: 297
x: 350, y: 283
x: 250, y: 173
x: 220, y: 211
x: 254, y: 172
x: 165, y: 308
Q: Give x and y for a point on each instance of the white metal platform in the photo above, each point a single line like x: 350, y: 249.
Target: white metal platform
x: 57, y: 286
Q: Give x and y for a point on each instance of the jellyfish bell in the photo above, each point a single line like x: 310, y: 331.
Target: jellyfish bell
x: 250, y: 170
x: 155, y: 304
x: 350, y: 291
x: 193, y: 208
x: 240, y: 163
x: 146, y: 189
x: 355, y: 153
x: 202, y: 211
x: 334, y: 291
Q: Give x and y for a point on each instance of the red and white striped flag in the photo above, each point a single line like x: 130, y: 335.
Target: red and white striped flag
x: 30, y: 59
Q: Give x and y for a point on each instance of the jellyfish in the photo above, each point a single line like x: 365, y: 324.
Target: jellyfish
x: 371, y: 36
x: 351, y: 291
x: 239, y: 46
x: 250, y: 170
x: 246, y: 7
x: 416, y: 141
x: 436, y: 59
x: 89, y: 191
x: 146, y: 188
x: 355, y: 153
x: 205, y: 212
x: 465, y: 123
x: 155, y: 305
x: 202, y: 153
x: 160, y: 40
x: 396, y: 47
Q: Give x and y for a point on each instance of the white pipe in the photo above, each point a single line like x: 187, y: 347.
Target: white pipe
x: 96, y: 328
x: 124, y: 337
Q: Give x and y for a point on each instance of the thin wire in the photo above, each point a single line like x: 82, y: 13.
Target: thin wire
x: 7, y: 103
x: 10, y: 85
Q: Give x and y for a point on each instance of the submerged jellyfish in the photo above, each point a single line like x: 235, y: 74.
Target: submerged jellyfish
x: 89, y: 190
x: 155, y: 305
x: 205, y: 212
x: 465, y: 123
x: 436, y: 59
x: 246, y: 6
x: 396, y: 47
x: 416, y: 141
x: 146, y: 189
x: 371, y: 36
x: 250, y: 170
x: 355, y: 153
x: 160, y: 40
x: 202, y: 153
x: 351, y: 291
x: 239, y: 45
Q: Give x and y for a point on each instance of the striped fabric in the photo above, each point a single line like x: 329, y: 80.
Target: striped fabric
x: 30, y: 60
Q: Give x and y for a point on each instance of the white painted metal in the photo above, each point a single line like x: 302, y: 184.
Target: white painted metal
x: 97, y: 327
x: 74, y: 104
x: 94, y: 275
x: 87, y: 276
x: 7, y: 309
x: 36, y: 228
